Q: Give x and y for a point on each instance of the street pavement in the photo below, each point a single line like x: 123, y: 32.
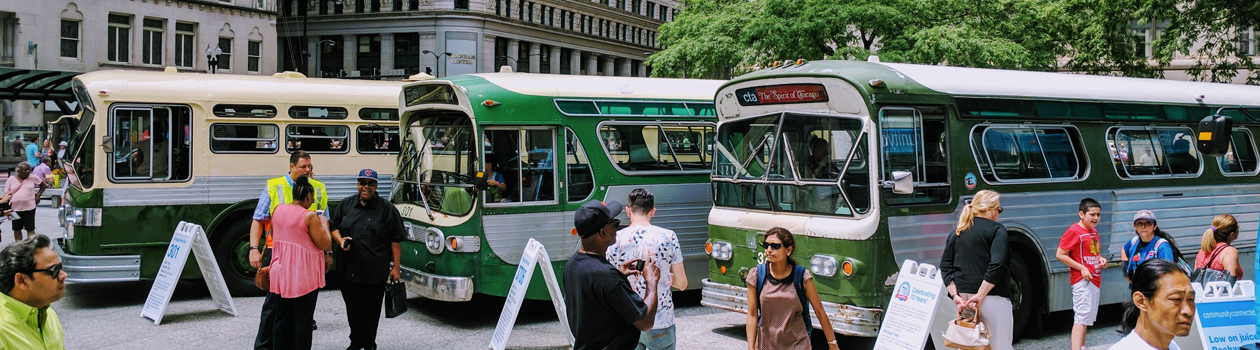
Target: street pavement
x: 107, y: 316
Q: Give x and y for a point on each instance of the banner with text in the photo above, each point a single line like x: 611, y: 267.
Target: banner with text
x: 1225, y: 317
x: 912, y: 309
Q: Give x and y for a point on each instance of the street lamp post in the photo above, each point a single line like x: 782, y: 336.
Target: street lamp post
x: 319, y: 55
x: 518, y: 63
x: 437, y: 61
x: 306, y: 56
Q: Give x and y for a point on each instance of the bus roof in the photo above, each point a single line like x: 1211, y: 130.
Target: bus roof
x: 582, y: 86
x: 997, y: 83
x: 281, y: 88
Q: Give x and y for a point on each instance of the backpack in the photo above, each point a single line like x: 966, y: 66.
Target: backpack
x: 798, y: 281
x: 1133, y: 249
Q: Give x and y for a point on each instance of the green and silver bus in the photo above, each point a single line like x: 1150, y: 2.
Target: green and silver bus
x: 870, y: 163
x: 151, y: 149
x: 550, y: 143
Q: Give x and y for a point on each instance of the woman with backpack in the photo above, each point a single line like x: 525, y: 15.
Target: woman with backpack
x: 783, y: 287
x: 1216, y: 252
x: 1149, y: 243
x: 975, y: 266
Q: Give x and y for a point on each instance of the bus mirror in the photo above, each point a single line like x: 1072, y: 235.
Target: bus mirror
x: 480, y: 180
x: 1214, y: 134
x: 903, y: 182
x: 107, y: 144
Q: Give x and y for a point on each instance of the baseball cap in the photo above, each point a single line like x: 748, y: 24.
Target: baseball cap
x: 368, y: 174
x: 593, y: 215
x: 1144, y: 215
x: 63, y: 143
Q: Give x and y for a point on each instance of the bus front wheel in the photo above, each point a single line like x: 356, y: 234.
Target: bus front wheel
x: 231, y: 249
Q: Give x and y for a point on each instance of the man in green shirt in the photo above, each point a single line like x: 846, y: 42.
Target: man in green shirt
x: 31, y: 279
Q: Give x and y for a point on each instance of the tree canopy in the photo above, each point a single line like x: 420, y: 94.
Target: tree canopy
x: 721, y: 38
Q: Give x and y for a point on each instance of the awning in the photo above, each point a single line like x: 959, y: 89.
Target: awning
x: 40, y: 85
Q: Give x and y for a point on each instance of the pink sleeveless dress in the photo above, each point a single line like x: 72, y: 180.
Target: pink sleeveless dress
x: 297, y: 266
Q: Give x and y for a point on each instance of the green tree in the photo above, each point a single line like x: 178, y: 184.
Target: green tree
x: 1206, y: 29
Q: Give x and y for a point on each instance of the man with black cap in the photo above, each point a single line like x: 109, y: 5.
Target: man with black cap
x: 368, y: 229
x: 603, y: 311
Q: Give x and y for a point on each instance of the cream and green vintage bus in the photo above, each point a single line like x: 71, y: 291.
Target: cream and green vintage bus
x: 555, y: 142
x: 151, y: 149
x: 869, y: 164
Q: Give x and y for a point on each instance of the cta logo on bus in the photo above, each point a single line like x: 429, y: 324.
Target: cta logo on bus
x: 782, y: 94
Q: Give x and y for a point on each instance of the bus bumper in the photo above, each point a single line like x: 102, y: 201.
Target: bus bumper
x: 444, y: 288
x: 104, y: 268
x: 845, y: 319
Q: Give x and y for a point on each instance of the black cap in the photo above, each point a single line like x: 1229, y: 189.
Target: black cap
x: 593, y: 216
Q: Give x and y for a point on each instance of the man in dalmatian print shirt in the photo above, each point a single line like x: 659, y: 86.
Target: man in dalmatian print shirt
x: 639, y: 241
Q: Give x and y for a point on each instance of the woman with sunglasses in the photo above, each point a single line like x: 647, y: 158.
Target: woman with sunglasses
x: 1149, y: 243
x: 975, y: 265
x: 782, y: 322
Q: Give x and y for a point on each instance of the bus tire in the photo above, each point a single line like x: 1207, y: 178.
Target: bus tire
x: 231, y: 249
x: 1023, y: 295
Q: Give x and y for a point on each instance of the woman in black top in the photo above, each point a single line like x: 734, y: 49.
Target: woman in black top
x: 975, y: 265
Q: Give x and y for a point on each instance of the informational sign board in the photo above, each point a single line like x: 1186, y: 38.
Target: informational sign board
x: 1225, y: 317
x: 188, y: 238
x: 534, y: 254
x: 914, y: 308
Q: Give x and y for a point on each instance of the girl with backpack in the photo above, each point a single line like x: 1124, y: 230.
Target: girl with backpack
x: 975, y: 266
x: 784, y: 288
x: 1149, y: 243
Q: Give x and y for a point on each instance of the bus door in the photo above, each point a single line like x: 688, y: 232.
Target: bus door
x: 150, y: 143
x: 524, y: 160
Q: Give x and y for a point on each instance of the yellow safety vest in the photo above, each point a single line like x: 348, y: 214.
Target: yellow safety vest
x: 280, y: 192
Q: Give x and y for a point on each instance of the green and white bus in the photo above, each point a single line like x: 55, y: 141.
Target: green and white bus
x: 151, y: 149
x: 869, y: 164
x: 555, y: 142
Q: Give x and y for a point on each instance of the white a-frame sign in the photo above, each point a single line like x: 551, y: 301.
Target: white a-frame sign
x: 534, y: 255
x: 188, y: 237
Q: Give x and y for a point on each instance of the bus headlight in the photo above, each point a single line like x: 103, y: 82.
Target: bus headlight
x: 433, y: 240
x: 824, y: 265
x: 721, y: 250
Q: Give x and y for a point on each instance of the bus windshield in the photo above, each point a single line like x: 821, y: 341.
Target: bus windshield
x: 795, y: 163
x: 438, y: 164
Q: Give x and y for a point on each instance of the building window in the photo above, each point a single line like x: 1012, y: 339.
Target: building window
x: 414, y: 4
x: 225, y: 59
x: 331, y: 59
x: 119, y: 38
x: 8, y: 44
x: 151, y: 48
x: 663, y: 10
x: 521, y: 10
x: 255, y: 56
x: 69, y: 38
x: 531, y: 13
x: 651, y: 9
x: 398, y: 5
x: 461, y: 4
x: 621, y: 5
x: 376, y: 5
x: 358, y: 6
x: 369, y: 59
x: 185, y: 44
x: 407, y: 52
x: 1247, y: 41
x: 635, y: 7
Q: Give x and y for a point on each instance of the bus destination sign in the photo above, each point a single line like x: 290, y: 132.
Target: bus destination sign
x: 781, y: 94
x: 430, y: 93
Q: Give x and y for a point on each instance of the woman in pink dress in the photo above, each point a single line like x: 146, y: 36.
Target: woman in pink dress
x: 299, y: 237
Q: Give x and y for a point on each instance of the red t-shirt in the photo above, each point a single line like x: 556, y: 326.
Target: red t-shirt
x: 1083, y: 247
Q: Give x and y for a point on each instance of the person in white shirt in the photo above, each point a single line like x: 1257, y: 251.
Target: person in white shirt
x: 1162, y: 294
x: 1147, y: 158
x: 644, y: 241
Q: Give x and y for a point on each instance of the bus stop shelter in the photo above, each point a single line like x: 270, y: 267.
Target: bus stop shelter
x: 38, y: 85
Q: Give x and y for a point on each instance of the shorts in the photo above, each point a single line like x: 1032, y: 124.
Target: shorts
x: 657, y: 339
x: 25, y: 220
x: 1085, y: 299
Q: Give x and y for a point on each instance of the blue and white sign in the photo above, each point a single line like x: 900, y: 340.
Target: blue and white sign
x: 188, y: 238
x: 535, y: 255
x: 1225, y: 317
x: 912, y: 309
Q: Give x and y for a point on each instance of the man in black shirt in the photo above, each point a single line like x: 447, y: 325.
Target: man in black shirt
x: 603, y: 312
x: 368, y: 229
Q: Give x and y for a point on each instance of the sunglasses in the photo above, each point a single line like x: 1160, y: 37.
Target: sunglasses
x: 1000, y: 210
x: 614, y: 222
x: 54, y: 271
x: 774, y: 246
x: 367, y: 183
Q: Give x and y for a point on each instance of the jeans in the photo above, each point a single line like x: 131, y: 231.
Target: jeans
x: 657, y: 339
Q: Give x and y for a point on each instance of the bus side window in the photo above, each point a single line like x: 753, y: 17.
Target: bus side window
x: 526, y: 160
x: 916, y: 142
x: 152, y: 143
x: 1153, y: 152
x: 1241, y: 158
x: 577, y: 168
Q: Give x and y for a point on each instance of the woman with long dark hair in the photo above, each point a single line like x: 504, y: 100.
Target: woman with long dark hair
x: 299, y: 239
x: 775, y: 315
x: 1164, y: 301
x: 975, y: 266
x: 1150, y: 242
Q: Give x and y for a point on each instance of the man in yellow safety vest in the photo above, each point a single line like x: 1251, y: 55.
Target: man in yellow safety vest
x: 279, y: 191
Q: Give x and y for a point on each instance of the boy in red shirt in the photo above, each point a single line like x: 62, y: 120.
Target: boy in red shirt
x: 1080, y: 250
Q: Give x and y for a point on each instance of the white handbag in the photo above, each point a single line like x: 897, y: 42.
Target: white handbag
x: 967, y: 331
